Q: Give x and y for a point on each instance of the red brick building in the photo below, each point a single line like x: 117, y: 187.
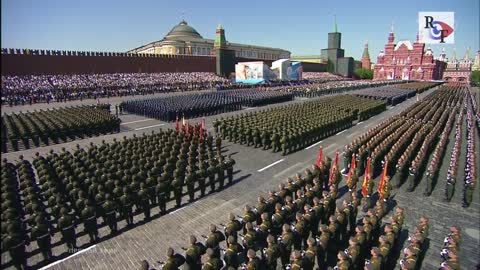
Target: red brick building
x: 459, y: 71
x: 407, y: 61
x: 366, y: 63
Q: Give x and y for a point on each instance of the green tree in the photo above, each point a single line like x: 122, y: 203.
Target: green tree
x: 475, y: 77
x: 364, y: 74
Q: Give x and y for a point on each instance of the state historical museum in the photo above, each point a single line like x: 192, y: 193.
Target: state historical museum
x: 407, y: 61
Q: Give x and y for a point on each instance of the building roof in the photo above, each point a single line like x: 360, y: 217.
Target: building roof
x: 182, y: 30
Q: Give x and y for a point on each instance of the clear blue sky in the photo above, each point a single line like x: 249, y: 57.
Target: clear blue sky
x: 298, y: 26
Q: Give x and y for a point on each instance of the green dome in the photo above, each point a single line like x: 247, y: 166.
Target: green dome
x: 183, y: 30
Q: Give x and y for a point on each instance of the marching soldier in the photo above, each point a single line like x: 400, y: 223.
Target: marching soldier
x: 126, y: 206
x: 110, y: 213
x: 190, y: 180
x: 41, y: 233
x: 229, y: 163
x: 271, y: 253
x: 193, y: 254
x: 90, y: 221
x: 144, y: 200
x: 160, y: 191
x: 66, y: 225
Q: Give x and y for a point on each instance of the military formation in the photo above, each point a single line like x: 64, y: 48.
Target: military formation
x: 73, y: 191
x: 405, y: 142
x: 471, y: 161
x: 419, y: 87
x: 202, y: 104
x: 295, y: 126
x: 55, y: 126
x: 301, y: 226
x: 451, y: 249
x: 392, y: 96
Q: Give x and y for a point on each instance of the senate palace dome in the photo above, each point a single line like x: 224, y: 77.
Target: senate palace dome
x: 183, y: 30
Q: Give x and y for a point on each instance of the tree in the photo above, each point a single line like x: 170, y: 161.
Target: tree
x: 475, y: 77
x: 364, y: 74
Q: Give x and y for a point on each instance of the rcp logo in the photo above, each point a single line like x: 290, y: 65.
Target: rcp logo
x: 436, y: 27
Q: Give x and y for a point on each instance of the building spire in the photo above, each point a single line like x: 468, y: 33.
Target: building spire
x: 365, y: 51
x: 467, y: 54
x: 391, y: 36
x: 335, y: 24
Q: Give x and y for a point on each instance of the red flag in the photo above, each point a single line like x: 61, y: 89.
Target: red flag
x: 176, y: 124
x: 381, y: 184
x: 366, y: 179
x: 352, y: 168
x: 319, y: 158
x: 333, y: 170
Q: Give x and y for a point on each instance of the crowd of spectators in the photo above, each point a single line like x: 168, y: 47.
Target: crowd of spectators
x: 48, y: 88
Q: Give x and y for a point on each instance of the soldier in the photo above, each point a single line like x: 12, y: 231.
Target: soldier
x: 177, y: 186
x: 126, y: 206
x: 310, y: 254
x: 275, y: 142
x: 285, y: 244
x: 15, y: 241
x: 212, y: 169
x: 229, y: 163
x: 41, y: 233
x: 375, y: 261
x: 193, y: 254
x: 110, y: 214
x: 323, y: 247
x: 172, y: 262
x: 190, y: 180
x: 412, y: 176
x: 297, y: 262
x: 249, y: 237
x: 214, y: 239
x: 160, y: 191
x: 232, y: 227
x: 343, y: 262
x: 271, y: 253
x: 144, y: 201
x: 90, y: 221
x: 353, y: 251
x: 66, y: 225
x: 232, y: 254
x: 253, y: 262
x: 221, y: 172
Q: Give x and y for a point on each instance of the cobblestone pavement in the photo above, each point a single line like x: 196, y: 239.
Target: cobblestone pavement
x: 150, y: 240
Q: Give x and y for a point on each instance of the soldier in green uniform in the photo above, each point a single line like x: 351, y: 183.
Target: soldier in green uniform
x: 160, y: 191
x: 229, y: 163
x: 343, y: 262
x: 275, y: 142
x: 144, y: 200
x: 285, y: 244
x: 213, y: 262
x: 193, y: 254
x: 41, y: 233
x: 232, y: 227
x: 271, y: 253
x: 310, y: 254
x: 323, y: 248
x: 211, y: 171
x: 253, y: 262
x: 375, y: 261
x: 221, y: 172
x: 66, y: 225
x: 468, y: 192
x: 256, y: 138
x: 172, y: 262
x: 249, y: 237
x: 126, y: 206
x: 177, y: 185
x: 412, y: 176
x: 232, y: 254
x: 297, y: 262
x: 90, y: 221
x: 110, y: 213
x: 265, y: 139
x: 190, y: 179
x: 214, y: 239
x: 15, y: 241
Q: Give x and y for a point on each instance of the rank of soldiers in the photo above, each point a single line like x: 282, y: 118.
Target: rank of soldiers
x: 419, y: 87
x: 202, y: 104
x: 55, y: 126
x: 292, y: 127
x: 105, y: 182
x: 392, y: 96
x: 406, y: 141
x: 299, y: 226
